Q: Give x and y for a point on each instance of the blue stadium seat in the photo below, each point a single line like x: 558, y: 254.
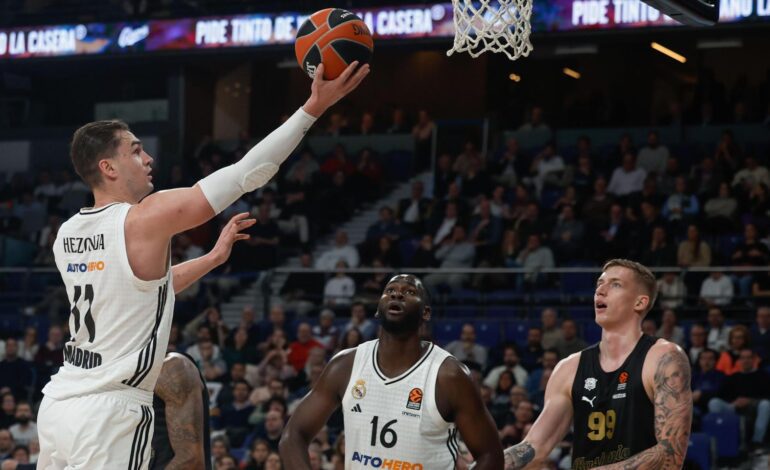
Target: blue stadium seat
x: 446, y: 331
x: 487, y: 332
x: 464, y: 295
x: 581, y: 313
x: 578, y: 283
x: 700, y: 450
x: 460, y: 311
x: 502, y: 296
x: 407, y: 247
x: 516, y: 331
x: 725, y: 428
x: 239, y: 454
x: 501, y: 312
x: 592, y: 332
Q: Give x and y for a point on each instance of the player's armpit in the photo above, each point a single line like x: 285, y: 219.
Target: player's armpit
x: 179, y: 386
x: 314, y: 410
x: 673, y: 414
x: 470, y: 415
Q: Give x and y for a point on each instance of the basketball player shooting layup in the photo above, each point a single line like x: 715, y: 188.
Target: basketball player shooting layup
x: 628, y: 397
x: 114, y: 260
x: 403, y: 399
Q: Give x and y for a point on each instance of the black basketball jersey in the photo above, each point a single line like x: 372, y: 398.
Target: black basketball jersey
x: 162, y: 453
x: 613, y: 416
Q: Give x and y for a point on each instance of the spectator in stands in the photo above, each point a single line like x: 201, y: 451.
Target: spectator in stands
x: 510, y: 364
x: 29, y: 346
x: 720, y: 211
x: 745, y: 392
x: 367, y: 328
x: 532, y: 222
x: 693, y: 251
x: 336, y: 162
x: 475, y: 180
x: 760, y: 288
x: 627, y: 179
x: 760, y: 334
x: 271, y: 432
x: 341, y: 251
x: 443, y: 176
x: 532, y: 354
x: 536, y: 121
x: 386, y: 225
x: 273, y: 461
x: 681, y: 207
x: 759, y: 206
x: 570, y: 342
x: 660, y: 251
x: 15, y: 373
x: 567, y: 235
x: 727, y: 155
x: 209, y: 361
x: 548, y: 362
x: 569, y: 198
x: 717, y: 289
x: 535, y: 257
x: 302, y: 171
x: 350, y: 339
x: 467, y: 350
x: 706, y: 380
x: 6, y: 444
x: 462, y: 164
x: 414, y: 211
x: 502, y: 387
x: 668, y: 328
x: 707, y: 181
x: 302, y: 291
x: 653, y: 156
x: 751, y: 253
x: 752, y: 175
x: 50, y: 355
x: 649, y: 327
x: 25, y: 429
x: 366, y: 127
x: 442, y: 229
x: 596, y: 209
x: 260, y: 251
x: 506, y: 168
x: 258, y: 453
x: 275, y: 365
x: 671, y: 290
x: 498, y: 204
x: 423, y: 134
x: 239, y: 348
x: 326, y: 332
x: 739, y: 339
x: 7, y: 410
x: 547, y: 168
x: 234, y: 418
x: 514, y: 431
x: 718, y: 331
x: 552, y: 334
x: 582, y: 177
x: 486, y: 231
x: 455, y: 252
x: 368, y: 177
x: 32, y: 214
x: 398, y: 124
x: 236, y: 374
x: 276, y: 320
x: 424, y: 256
x: 614, y: 237
x: 698, y: 344
x: 339, y: 289
x: 521, y: 201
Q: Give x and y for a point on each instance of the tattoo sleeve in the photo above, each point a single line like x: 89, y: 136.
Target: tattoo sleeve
x: 673, y: 417
x: 179, y: 388
x: 519, y: 456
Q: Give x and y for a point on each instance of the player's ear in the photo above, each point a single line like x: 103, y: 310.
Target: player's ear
x: 426, y: 314
x: 377, y: 312
x: 107, y: 169
x: 641, y: 303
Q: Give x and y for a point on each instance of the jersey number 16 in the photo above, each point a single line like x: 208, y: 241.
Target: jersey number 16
x: 388, y: 437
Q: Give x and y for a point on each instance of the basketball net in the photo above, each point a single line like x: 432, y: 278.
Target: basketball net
x: 492, y: 25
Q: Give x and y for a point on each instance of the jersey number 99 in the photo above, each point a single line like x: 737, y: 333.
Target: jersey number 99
x: 601, y: 425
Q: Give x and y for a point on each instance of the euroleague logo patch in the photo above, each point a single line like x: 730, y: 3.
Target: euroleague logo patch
x: 415, y: 399
x: 622, y: 380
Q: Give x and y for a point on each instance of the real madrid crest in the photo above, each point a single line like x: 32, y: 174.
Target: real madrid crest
x: 590, y: 383
x: 359, y: 389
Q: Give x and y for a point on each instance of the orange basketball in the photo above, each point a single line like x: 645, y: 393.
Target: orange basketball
x: 335, y: 37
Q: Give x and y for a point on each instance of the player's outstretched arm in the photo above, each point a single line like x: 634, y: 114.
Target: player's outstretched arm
x: 673, y: 411
x: 470, y: 415
x: 554, y: 421
x: 184, y: 274
x: 179, y: 386
x: 167, y: 213
x: 314, y: 410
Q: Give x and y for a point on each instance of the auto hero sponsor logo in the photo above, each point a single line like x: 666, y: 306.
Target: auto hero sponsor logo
x: 385, y: 463
x: 91, y: 266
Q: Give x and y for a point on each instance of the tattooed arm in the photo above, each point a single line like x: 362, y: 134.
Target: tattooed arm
x: 179, y: 386
x: 670, y: 383
x: 554, y: 421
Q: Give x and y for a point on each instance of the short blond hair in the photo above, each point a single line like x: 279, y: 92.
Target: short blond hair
x: 643, y: 275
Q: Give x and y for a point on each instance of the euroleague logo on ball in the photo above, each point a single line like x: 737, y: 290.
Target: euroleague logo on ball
x: 359, y: 31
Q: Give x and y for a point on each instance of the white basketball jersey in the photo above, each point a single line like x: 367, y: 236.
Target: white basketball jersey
x: 119, y: 324
x: 394, y: 423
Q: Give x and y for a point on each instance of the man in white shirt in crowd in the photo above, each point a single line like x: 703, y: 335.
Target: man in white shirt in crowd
x: 752, y: 174
x: 340, y: 289
x: 25, y: 428
x: 627, y: 179
x: 653, y: 156
x: 511, y: 364
x: 466, y: 349
x: 547, y: 167
x: 358, y: 320
x: 341, y: 251
x: 719, y: 333
x: 717, y: 289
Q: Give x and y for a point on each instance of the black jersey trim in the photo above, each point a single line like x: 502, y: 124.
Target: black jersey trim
x: 451, y: 444
x: 146, y: 357
x: 96, y: 211
x: 140, y: 439
x: 389, y: 381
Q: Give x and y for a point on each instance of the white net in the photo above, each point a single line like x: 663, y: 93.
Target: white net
x: 492, y: 25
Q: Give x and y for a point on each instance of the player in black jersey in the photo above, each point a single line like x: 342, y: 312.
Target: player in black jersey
x: 182, y: 438
x: 628, y: 397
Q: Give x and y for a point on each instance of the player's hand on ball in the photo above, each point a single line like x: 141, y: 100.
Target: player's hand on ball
x: 324, y: 93
x: 231, y: 234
